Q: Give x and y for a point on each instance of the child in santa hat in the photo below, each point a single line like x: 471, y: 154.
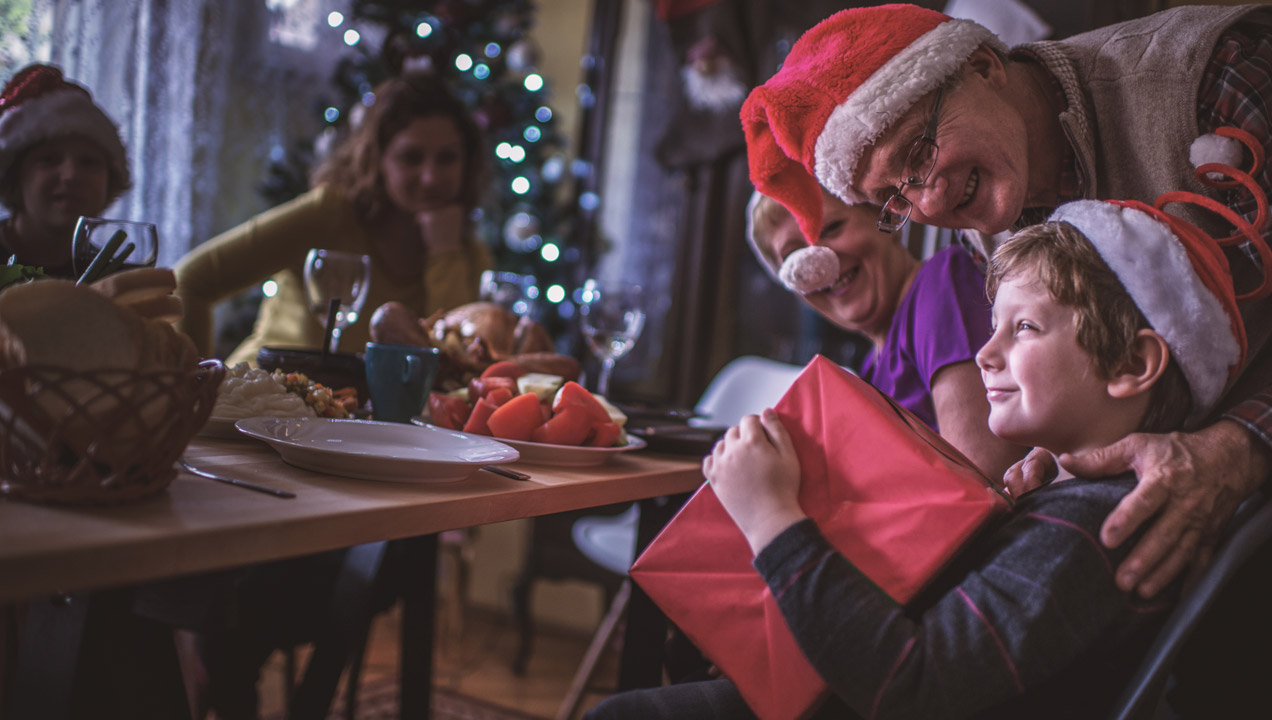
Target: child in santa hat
x: 61, y: 157
x: 1111, y: 318
x: 926, y: 319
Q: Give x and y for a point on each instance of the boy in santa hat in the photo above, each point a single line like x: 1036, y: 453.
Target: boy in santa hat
x: 61, y: 157
x: 933, y: 118
x: 1109, y: 319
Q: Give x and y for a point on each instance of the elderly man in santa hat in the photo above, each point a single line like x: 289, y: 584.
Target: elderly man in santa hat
x: 934, y: 119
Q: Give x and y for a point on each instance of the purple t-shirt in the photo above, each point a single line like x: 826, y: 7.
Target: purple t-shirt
x: 943, y: 319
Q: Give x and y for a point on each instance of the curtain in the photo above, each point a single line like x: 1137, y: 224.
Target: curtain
x: 203, y: 91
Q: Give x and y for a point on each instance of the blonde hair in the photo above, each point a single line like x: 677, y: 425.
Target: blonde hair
x: 1062, y: 261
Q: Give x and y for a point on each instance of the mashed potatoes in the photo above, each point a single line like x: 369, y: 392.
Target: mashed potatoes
x: 252, y: 392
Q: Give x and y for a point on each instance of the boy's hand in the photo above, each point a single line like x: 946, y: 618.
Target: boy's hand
x: 1196, y: 481
x: 442, y: 228
x: 1030, y: 472
x: 755, y: 473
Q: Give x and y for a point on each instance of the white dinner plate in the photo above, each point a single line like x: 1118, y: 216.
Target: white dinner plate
x: 559, y: 455
x: 370, y: 450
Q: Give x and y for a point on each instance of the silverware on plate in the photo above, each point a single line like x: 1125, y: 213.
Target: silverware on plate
x: 236, y: 482
x: 515, y: 475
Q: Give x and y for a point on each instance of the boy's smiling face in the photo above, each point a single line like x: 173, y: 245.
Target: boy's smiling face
x: 1044, y: 390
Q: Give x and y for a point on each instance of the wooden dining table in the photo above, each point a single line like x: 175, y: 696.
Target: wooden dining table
x: 198, y: 525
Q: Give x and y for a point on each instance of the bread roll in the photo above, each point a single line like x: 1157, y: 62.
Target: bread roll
x: 146, y: 291
x: 53, y: 322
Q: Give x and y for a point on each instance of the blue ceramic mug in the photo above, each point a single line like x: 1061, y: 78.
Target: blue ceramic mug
x: 399, y: 378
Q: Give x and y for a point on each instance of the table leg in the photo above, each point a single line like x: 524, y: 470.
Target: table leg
x: 50, y: 644
x: 641, y: 663
x: 419, y: 594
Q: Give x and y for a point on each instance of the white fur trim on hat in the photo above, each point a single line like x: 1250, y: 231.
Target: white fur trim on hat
x: 1211, y: 148
x: 887, y: 94
x: 67, y: 111
x: 1156, y: 271
x: 809, y: 269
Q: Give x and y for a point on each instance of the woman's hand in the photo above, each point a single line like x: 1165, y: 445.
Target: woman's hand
x: 1195, y: 480
x: 1036, y: 469
x: 442, y: 228
x: 755, y: 473
x: 145, y: 291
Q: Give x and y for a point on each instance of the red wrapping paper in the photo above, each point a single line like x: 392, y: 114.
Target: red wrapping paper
x: 886, y: 491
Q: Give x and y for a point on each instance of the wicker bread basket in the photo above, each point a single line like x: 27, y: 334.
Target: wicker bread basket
x: 98, y: 437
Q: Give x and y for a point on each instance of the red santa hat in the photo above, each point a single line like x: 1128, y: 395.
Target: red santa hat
x: 844, y: 83
x: 1178, y: 275
x: 38, y: 103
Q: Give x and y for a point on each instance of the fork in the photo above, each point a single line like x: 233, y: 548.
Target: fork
x: 514, y: 474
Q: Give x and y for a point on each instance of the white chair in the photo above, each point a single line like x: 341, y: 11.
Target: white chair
x: 745, y: 386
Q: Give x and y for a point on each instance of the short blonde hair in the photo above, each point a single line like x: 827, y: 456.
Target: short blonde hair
x: 1061, y: 260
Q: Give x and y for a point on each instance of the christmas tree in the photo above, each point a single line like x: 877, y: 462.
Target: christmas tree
x: 482, y: 49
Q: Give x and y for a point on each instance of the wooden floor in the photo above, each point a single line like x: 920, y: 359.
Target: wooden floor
x: 478, y: 664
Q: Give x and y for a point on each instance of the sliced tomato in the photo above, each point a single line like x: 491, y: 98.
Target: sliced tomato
x: 604, y: 435
x: 571, y: 426
x: 504, y: 368
x: 575, y: 394
x: 498, y: 396
x: 448, y: 411
x: 479, y: 387
x: 517, y: 418
x: 477, y: 421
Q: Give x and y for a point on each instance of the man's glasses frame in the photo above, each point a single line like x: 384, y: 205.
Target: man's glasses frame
x: 919, y: 163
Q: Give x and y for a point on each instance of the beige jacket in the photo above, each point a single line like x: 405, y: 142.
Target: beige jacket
x: 1132, y: 117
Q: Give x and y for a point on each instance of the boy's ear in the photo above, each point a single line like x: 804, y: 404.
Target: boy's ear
x: 1148, y: 360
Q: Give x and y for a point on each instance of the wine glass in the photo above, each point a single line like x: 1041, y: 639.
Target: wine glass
x: 134, y: 245
x: 612, y: 315
x: 341, y: 276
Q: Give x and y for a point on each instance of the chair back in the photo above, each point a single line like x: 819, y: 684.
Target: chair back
x: 1250, y: 530
x: 745, y: 386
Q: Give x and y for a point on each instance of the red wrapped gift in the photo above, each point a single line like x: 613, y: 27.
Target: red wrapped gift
x: 887, y: 492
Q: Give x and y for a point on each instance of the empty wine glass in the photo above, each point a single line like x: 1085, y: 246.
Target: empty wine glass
x: 612, y: 314
x: 137, y: 244
x: 333, y: 275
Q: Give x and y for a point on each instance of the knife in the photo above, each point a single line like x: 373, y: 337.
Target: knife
x: 236, y: 482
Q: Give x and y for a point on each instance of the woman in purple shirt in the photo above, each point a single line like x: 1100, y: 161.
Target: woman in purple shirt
x: 926, y: 319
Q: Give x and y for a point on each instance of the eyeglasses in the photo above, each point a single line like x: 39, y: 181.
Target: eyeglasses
x: 919, y: 163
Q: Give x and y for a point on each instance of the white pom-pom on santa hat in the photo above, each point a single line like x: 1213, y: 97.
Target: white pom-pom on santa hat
x: 1212, y: 148
x: 810, y: 269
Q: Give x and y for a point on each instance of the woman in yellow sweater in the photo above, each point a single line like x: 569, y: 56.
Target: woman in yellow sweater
x: 401, y: 189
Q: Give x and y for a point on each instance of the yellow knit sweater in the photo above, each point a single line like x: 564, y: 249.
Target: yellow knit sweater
x: 275, y: 243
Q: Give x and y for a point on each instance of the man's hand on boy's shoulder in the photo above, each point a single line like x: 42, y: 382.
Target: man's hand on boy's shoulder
x: 1195, y: 481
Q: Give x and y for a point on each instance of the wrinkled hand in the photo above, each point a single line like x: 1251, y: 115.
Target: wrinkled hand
x: 1030, y: 472
x: 755, y: 473
x: 1195, y: 480
x: 442, y: 228
x: 145, y: 291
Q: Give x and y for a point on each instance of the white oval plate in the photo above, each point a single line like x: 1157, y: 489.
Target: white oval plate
x: 369, y: 450
x: 558, y: 455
